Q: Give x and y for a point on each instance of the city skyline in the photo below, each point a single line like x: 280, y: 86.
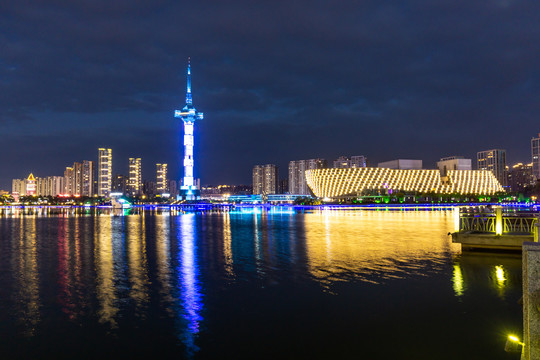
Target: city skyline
x: 399, y: 80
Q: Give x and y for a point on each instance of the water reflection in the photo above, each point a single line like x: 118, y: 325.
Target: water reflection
x: 477, y: 271
x: 137, y: 262
x: 375, y: 246
x: 500, y: 280
x: 163, y: 258
x: 189, y: 286
x: 103, y: 254
x: 227, y: 245
x: 457, y: 281
x: 144, y: 277
x: 27, y: 297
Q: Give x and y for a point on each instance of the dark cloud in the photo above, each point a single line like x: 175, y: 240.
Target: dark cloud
x: 277, y: 80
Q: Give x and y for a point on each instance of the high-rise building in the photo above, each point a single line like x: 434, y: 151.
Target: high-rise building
x: 520, y: 176
x: 55, y: 185
x: 77, y: 178
x: 189, y: 115
x: 257, y: 176
x: 283, y: 187
x: 494, y: 161
x: 18, y: 187
x: 73, y: 179
x: 344, y: 162
x: 161, y: 177
x: 68, y: 181
x: 49, y: 186
x: 265, y: 179
x: 104, y: 172
x: 150, y: 188
x: 297, y: 177
x: 135, y: 176
x: 88, y: 176
x: 535, y: 153
x: 173, y: 189
x: 120, y: 184
x: 453, y: 163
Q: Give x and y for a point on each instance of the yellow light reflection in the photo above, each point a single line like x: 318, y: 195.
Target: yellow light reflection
x: 138, y: 268
x: 163, y: 257
x: 457, y: 280
x: 501, y: 281
x: 375, y: 245
x: 227, y: 244
x: 499, y: 271
x: 27, y: 271
x: 103, y: 254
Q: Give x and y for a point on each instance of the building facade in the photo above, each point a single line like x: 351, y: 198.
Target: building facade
x: 104, y: 172
x: 265, y: 179
x: 297, y: 174
x: 336, y: 183
x: 495, y: 161
x: 135, y: 176
x: 162, y: 182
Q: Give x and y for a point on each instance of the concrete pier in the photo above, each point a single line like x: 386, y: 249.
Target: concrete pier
x: 506, y: 242
x: 495, y: 229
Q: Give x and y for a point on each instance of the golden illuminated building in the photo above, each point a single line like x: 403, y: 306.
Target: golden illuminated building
x: 352, y: 182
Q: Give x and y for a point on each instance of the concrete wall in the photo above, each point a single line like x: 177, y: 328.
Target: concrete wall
x: 531, y: 301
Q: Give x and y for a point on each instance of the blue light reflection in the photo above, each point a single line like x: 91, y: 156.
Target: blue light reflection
x: 188, y: 284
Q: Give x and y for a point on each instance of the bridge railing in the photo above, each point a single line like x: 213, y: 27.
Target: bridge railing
x: 477, y: 223
x: 498, y: 222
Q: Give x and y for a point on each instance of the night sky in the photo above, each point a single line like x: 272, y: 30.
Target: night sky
x: 276, y: 80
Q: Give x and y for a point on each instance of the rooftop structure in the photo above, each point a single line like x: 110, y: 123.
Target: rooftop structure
x: 453, y: 163
x: 403, y: 164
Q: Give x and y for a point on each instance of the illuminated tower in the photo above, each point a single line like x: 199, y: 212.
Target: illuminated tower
x: 189, y: 115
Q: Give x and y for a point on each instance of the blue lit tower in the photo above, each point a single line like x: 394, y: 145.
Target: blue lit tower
x: 189, y: 115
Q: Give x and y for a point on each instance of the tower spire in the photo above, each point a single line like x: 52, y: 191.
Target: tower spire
x: 189, y: 101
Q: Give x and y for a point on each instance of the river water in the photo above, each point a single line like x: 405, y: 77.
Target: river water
x: 277, y: 284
